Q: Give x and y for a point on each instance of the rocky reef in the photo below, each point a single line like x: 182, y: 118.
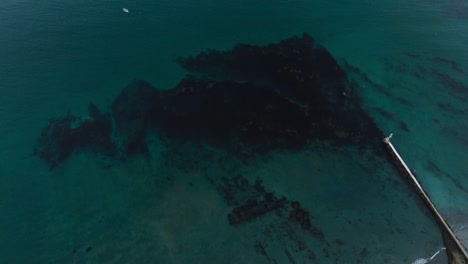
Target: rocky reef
x: 299, y: 68
x: 63, y: 136
x: 251, y: 201
x: 258, y: 97
x: 225, y: 111
x: 248, y: 100
x: 301, y: 72
x: 131, y: 111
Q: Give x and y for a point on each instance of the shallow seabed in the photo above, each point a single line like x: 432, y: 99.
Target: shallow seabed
x: 59, y: 56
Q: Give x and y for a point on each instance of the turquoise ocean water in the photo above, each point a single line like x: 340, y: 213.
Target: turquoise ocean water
x: 57, y: 56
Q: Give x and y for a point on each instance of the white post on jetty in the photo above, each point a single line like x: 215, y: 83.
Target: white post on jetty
x: 425, y: 197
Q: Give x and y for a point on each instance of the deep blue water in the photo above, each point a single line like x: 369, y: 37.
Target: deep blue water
x: 58, y: 56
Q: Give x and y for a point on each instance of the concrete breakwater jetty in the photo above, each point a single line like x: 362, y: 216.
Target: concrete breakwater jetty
x: 455, y: 250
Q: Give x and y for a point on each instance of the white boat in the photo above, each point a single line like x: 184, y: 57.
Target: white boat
x: 125, y: 10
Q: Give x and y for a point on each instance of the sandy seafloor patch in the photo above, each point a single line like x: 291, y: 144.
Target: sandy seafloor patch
x: 142, y: 211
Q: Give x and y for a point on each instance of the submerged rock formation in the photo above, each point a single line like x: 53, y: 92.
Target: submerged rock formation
x: 298, y: 68
x: 131, y: 111
x: 258, y: 97
x: 301, y: 72
x: 254, y: 98
x: 64, y: 135
x: 218, y: 112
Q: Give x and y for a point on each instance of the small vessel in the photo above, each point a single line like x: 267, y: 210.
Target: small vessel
x: 125, y: 10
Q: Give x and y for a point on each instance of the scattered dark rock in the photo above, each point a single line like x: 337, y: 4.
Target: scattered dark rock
x: 339, y: 242
x: 387, y: 115
x: 302, y: 217
x: 384, y: 91
x: 404, y: 126
x: 56, y: 141
x: 384, y: 113
x: 418, y: 73
x: 456, y: 133
x: 396, y: 67
x: 422, y: 70
x: 453, y: 64
x: 311, y: 255
x: 412, y: 55
x: 458, y: 87
x: 252, y: 201
x: 439, y: 172
x: 186, y: 156
x: 88, y: 249
x: 449, y: 108
x: 290, y: 257
x: 253, y: 209
x: 363, y: 253
x: 403, y: 101
x: 237, y: 190
x: 61, y: 137
x: 260, y: 249
x: 258, y: 186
